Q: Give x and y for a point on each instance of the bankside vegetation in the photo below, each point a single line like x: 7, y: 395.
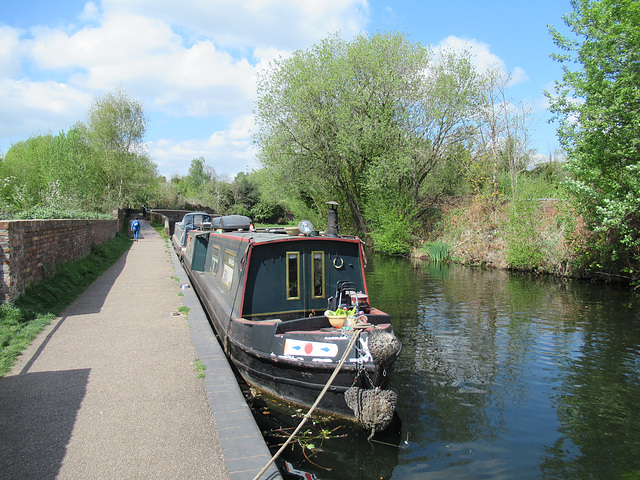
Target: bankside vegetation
x: 597, y: 103
x: 579, y: 217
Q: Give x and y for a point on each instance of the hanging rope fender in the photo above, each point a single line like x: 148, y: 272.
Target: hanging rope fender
x: 357, y: 329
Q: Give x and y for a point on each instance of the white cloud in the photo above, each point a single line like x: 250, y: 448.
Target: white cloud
x: 39, y: 107
x: 285, y: 24
x: 152, y: 62
x: 228, y: 151
x: 117, y: 41
x: 90, y: 12
x: 9, y: 51
x: 518, y: 75
x: 481, y: 57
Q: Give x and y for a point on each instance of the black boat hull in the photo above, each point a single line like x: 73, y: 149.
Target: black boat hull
x: 300, y: 383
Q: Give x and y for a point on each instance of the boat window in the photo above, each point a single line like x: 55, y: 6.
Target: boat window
x: 215, y: 258
x: 318, y: 274
x: 293, y: 275
x: 228, y: 268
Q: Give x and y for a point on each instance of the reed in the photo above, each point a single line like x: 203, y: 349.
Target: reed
x: 438, y: 251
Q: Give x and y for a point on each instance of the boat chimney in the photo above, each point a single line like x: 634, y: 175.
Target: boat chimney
x: 332, y: 219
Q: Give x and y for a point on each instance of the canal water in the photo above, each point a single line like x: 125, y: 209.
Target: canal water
x: 501, y: 376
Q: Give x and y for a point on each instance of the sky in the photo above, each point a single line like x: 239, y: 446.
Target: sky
x: 193, y: 63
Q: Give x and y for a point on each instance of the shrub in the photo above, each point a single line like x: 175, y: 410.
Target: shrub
x: 393, y: 234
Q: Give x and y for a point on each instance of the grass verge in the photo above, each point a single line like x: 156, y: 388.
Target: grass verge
x: 22, y: 320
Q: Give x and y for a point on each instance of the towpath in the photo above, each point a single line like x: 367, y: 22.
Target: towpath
x: 110, y: 391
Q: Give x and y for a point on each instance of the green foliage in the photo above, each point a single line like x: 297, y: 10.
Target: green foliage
x: 539, y: 223
x: 539, y: 186
x: 116, y: 126
x: 598, y: 106
x: 40, y: 303
x: 41, y: 213
x: 553, y: 172
x: 199, y: 175
x: 17, y: 332
x: 393, y: 226
x: 363, y: 120
x: 93, y: 167
x: 524, y: 246
x: 199, y: 368
x: 265, y: 212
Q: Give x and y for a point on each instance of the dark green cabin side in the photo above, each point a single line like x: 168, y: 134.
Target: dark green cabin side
x: 197, y: 250
x: 292, y: 278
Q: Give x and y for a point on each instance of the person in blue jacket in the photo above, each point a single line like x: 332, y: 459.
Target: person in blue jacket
x: 135, y: 228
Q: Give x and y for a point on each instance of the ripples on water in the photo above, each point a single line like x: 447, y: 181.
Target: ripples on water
x: 502, y: 376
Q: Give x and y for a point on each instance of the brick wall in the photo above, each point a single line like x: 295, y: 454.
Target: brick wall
x: 32, y: 249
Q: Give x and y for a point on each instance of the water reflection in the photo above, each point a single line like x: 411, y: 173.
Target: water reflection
x: 512, y: 376
x: 501, y: 376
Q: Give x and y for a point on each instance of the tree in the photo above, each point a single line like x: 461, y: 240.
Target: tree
x: 23, y: 172
x: 597, y: 103
x: 116, y: 127
x: 503, y: 139
x: 197, y: 177
x: 365, y: 123
x: 325, y: 114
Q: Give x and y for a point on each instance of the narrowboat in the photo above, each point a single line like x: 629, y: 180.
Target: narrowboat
x: 270, y: 294
x: 191, y: 221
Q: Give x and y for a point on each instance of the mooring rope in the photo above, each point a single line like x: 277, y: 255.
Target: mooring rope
x: 356, y: 333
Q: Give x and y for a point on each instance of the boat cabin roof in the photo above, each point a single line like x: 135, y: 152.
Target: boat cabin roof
x: 279, y: 235
x: 193, y: 220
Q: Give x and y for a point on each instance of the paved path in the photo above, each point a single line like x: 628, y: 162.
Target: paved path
x: 109, y: 389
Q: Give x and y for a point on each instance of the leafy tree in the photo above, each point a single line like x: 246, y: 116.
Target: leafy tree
x: 597, y: 103
x: 199, y: 175
x: 324, y: 114
x: 23, y: 172
x: 245, y: 192
x: 365, y: 123
x: 116, y: 126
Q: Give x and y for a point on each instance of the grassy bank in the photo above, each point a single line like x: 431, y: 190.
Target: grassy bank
x: 22, y: 320
x: 531, y: 234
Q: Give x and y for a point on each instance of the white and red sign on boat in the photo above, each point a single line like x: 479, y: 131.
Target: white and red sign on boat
x: 309, y: 349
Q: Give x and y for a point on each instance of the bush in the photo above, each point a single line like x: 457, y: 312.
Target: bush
x: 267, y: 212
x: 393, y: 234
x: 522, y: 237
x: 41, y: 213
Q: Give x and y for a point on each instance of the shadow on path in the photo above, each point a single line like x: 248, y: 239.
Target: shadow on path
x: 37, y: 415
x: 93, y: 298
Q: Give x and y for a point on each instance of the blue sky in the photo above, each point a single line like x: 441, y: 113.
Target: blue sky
x: 193, y: 63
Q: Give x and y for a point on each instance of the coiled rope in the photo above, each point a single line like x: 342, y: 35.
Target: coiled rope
x: 357, y: 329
